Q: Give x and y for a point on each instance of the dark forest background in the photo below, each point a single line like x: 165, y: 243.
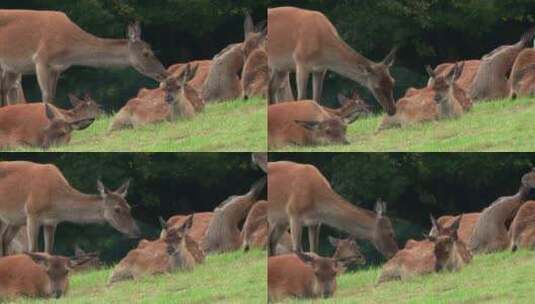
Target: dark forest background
x: 426, y: 31
x: 415, y: 185
x: 163, y: 184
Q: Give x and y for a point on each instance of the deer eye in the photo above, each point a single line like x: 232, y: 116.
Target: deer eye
x: 117, y: 210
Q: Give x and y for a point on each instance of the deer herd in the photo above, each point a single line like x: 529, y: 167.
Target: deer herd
x: 238, y: 71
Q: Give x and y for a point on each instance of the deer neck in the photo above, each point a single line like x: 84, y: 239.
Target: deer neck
x: 523, y: 193
x: 348, y: 63
x: 337, y: 212
x: 78, y: 207
x: 99, y: 52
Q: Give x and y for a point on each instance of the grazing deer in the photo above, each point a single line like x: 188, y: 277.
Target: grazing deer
x: 491, y: 230
x: 522, y: 77
x: 307, y: 42
x: 223, y: 233
x: 467, y: 76
x: 522, y: 231
x: 168, y: 254
x: 38, y: 125
x: 60, y: 43
x: 39, y: 195
x: 255, y: 73
x: 203, y: 67
x: 34, y: 275
x: 450, y: 252
x: 466, y: 226
x: 304, y: 123
x: 299, y: 195
x: 223, y: 81
x: 302, y: 275
x: 150, y: 107
x: 491, y: 78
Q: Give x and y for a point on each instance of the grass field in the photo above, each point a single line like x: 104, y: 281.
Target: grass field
x: 499, y: 278
x: 227, y: 278
x: 229, y: 126
x: 491, y: 126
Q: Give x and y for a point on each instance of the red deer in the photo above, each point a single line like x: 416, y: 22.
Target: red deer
x: 491, y: 78
x: 167, y: 254
x: 491, y: 230
x: 203, y: 66
x: 300, y: 196
x: 13, y: 94
x: 307, y: 42
x: 450, y: 252
x: 351, y: 108
x: 34, y: 275
x: 60, y: 43
x: 522, y: 231
x: 255, y: 74
x: 38, y: 125
x: 85, y: 107
x: 522, y: 77
x: 201, y: 221
x: 39, y: 195
x: 466, y: 226
x: 223, y: 233
x: 260, y: 159
x: 467, y: 76
x: 150, y: 107
x: 302, y: 275
x: 347, y: 251
x: 304, y: 123
x: 223, y: 81
x: 91, y: 260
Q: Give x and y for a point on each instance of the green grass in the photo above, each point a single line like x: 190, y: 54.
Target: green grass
x: 229, y: 126
x: 499, y: 278
x: 228, y: 278
x: 504, y: 125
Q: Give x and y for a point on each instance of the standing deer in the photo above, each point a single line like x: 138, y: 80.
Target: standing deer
x: 39, y: 195
x: 522, y: 231
x: 307, y: 42
x: 491, y: 78
x: 300, y: 196
x: 48, y: 43
x: 302, y: 275
x: 39, y: 125
x: 491, y: 230
x: 34, y: 275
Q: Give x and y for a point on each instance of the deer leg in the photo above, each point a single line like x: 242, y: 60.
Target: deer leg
x: 301, y: 75
x: 32, y: 228
x: 314, y: 237
x: 10, y: 79
x: 9, y: 236
x: 296, y: 230
x: 274, y: 235
x: 43, y: 78
x: 53, y: 83
x: 275, y: 81
x: 317, y: 84
x: 3, y: 230
x: 49, y: 232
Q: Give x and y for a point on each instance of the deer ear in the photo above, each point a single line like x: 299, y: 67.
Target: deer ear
x: 305, y: 258
x: 123, y: 190
x: 380, y: 207
x: 82, y: 123
x: 430, y: 71
x: 186, y: 226
x: 309, y: 125
x: 74, y: 100
x: 38, y: 258
x: 333, y: 241
x: 390, y: 58
x: 134, y: 31
x: 49, y: 112
x: 102, y: 189
x: 192, y: 73
x: 78, y: 252
x: 162, y: 222
x: 435, y: 224
x: 342, y: 100
x: 454, y: 228
x: 248, y: 25
x: 458, y: 71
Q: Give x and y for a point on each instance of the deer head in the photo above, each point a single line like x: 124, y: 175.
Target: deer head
x: 330, y: 131
x: 59, y: 130
x: 177, y: 90
x: 353, y: 107
x: 141, y: 56
x: 255, y: 36
x: 347, y: 251
x: 116, y: 209
x: 381, y: 82
x: 175, y: 238
x: 325, y: 272
x: 383, y: 234
x: 85, y: 108
x: 443, y: 84
x: 528, y: 179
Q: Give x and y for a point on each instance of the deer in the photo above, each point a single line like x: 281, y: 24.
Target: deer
x: 91, y: 260
x: 203, y: 67
x: 491, y: 81
x: 165, y: 255
x: 522, y: 231
x: 223, y: 81
x: 38, y: 195
x: 351, y: 108
x: 35, y: 275
x: 307, y: 42
x: 223, y: 233
x: 300, y: 196
x: 466, y: 225
x: 255, y: 73
x: 347, y: 251
x: 491, y: 229
x: 522, y: 75
x: 60, y: 43
x: 305, y: 123
x: 450, y: 98
x: 302, y: 275
x: 149, y: 107
x: 201, y: 221
x: 466, y: 79
x: 13, y: 94
x: 450, y: 251
x: 39, y: 125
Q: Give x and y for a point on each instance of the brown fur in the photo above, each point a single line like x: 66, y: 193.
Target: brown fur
x: 200, y: 77
x: 450, y: 252
x: 522, y: 229
x: 201, y: 221
x: 223, y: 80
x: 467, y: 77
x: 417, y: 258
x: 255, y: 75
x: 466, y: 227
x: 523, y: 75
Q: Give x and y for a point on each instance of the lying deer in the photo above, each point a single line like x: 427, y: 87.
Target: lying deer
x: 203, y: 67
x: 522, y: 231
x: 522, y: 79
x: 491, y: 230
x: 201, y: 221
x: 38, y: 195
x: 304, y: 123
x: 150, y: 108
x: 466, y: 79
x: 38, y: 125
x: 307, y: 42
x: 59, y: 44
x: 223, y: 80
x: 450, y: 252
x: 491, y: 78
x: 34, y: 275
x: 466, y: 225
x: 165, y: 255
x: 302, y: 275
x: 91, y: 260
x: 300, y: 196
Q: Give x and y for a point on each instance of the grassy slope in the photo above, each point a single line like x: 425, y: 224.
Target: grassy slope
x: 230, y: 126
x: 227, y: 278
x: 498, y: 278
x: 492, y: 126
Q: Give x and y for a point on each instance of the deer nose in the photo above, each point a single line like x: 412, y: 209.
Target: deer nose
x: 169, y: 98
x: 57, y: 294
